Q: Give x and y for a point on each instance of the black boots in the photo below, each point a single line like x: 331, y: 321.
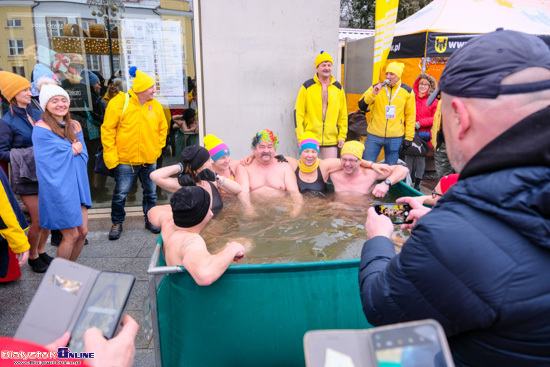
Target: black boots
x: 417, y: 183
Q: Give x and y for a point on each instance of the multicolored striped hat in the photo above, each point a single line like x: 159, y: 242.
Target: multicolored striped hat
x: 215, y: 147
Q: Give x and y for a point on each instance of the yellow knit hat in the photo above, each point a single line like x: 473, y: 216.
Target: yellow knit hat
x: 353, y: 147
x: 11, y: 84
x: 396, y: 68
x: 142, y: 81
x: 322, y: 57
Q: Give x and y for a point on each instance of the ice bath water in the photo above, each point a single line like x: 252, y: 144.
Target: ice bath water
x: 331, y: 228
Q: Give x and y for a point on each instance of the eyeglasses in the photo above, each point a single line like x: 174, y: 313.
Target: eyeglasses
x: 345, y: 160
x: 434, y: 194
x: 423, y: 85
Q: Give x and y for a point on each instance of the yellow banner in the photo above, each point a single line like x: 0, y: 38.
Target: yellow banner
x: 384, y: 27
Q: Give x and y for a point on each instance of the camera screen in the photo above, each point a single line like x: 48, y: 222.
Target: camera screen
x: 398, y: 213
x: 413, y: 346
x: 103, y: 307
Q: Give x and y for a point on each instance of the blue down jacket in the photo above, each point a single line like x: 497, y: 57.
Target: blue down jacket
x: 479, y: 262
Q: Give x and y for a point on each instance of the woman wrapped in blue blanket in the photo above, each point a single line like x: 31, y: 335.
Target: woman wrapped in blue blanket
x: 61, y: 158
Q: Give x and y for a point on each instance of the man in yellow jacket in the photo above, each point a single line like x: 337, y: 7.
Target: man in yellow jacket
x: 393, y: 115
x: 133, y: 135
x: 321, y: 108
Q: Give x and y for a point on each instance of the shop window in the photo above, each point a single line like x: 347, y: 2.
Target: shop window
x: 13, y: 23
x: 16, y: 47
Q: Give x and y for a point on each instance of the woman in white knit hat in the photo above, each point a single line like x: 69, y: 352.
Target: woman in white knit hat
x: 61, y: 158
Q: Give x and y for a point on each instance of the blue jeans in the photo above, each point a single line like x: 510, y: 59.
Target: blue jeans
x: 125, y: 175
x: 374, y: 144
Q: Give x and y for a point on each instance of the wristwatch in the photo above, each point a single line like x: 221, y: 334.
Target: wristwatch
x: 387, y: 182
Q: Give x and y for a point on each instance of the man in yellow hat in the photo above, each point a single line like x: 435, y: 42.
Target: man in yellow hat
x: 393, y: 115
x: 321, y: 108
x: 133, y: 135
x: 354, y: 178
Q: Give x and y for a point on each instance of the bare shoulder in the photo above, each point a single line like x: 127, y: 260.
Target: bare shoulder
x: 76, y: 126
x: 190, y: 242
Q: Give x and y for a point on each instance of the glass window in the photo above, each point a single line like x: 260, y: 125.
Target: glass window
x: 13, y: 23
x: 68, y: 37
x: 55, y: 26
x: 16, y: 47
x: 19, y: 70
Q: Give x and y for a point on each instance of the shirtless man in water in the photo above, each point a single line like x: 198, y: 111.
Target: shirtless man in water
x: 264, y: 177
x: 354, y: 178
x: 181, y: 223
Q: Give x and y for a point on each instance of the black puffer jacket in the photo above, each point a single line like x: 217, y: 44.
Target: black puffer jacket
x: 479, y: 262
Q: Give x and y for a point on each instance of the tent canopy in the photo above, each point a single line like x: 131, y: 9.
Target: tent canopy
x: 444, y: 26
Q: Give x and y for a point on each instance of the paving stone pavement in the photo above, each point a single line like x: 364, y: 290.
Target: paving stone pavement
x: 131, y: 254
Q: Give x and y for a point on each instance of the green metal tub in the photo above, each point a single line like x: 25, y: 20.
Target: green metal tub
x: 253, y: 315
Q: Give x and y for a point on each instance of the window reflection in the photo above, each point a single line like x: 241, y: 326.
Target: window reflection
x: 68, y: 40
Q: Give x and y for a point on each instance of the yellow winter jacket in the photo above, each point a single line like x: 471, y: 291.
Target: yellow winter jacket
x: 308, y: 112
x: 139, y: 137
x: 405, y: 111
x: 436, y: 126
x: 12, y: 220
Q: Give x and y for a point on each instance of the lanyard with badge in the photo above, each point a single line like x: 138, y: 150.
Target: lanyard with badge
x: 390, y: 110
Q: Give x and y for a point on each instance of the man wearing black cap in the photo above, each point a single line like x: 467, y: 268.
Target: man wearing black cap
x: 479, y: 261
x: 181, y: 223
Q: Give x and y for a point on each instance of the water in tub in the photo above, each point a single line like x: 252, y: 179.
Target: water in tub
x: 331, y: 228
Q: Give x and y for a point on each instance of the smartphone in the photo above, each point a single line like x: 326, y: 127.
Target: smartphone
x: 397, y: 212
x: 104, y: 307
x: 415, y: 343
x: 419, y: 343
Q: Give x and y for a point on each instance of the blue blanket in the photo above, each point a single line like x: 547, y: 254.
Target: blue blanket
x: 62, y: 180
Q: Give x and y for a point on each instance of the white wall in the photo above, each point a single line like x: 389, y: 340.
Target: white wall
x: 255, y: 55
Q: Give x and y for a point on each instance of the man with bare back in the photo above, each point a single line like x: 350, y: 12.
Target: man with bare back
x: 181, y: 223
x: 354, y: 178
x: 264, y: 178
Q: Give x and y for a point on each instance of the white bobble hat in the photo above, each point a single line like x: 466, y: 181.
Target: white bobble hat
x: 49, y: 91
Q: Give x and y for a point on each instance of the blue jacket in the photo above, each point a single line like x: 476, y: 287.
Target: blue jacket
x: 16, y: 130
x: 479, y: 262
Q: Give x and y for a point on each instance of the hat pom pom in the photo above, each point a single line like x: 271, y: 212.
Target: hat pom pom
x: 322, y: 52
x: 133, y: 70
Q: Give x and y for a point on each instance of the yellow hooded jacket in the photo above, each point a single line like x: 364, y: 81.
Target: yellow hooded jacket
x: 12, y: 220
x: 436, y: 126
x: 308, y: 112
x: 405, y: 112
x: 139, y: 137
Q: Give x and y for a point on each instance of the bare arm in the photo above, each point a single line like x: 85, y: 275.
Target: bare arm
x: 293, y: 163
x: 292, y: 187
x: 241, y: 176
x: 162, y: 178
x: 228, y: 185
x: 204, y: 267
x: 397, y: 174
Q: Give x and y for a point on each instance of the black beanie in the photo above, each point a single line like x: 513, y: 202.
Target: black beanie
x: 190, y: 205
x: 195, y: 156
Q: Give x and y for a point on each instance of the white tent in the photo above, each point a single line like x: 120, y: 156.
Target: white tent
x: 444, y: 26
